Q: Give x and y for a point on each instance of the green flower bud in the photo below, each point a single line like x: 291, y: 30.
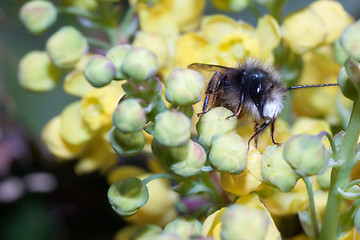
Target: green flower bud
x: 214, y: 122
x: 346, y: 86
x: 184, y: 86
x: 37, y: 73
x: 127, y: 196
x: 160, y: 151
x: 66, y: 46
x: 357, y: 220
x: 184, y: 227
x: 276, y: 171
x: 339, y: 53
x: 172, y: 129
x: 99, y: 71
x: 117, y: 55
x: 129, y: 116
x: 240, y: 222
x: 145, y: 232
x: 187, y: 160
x: 38, y: 16
x: 126, y: 144
x: 140, y: 64
x: 306, y: 154
x: 228, y: 153
x: 353, y: 70
x: 350, y: 40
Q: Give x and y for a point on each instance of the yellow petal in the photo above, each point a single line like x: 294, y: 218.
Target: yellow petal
x: 123, y: 172
x: 76, y: 84
x: 190, y: 16
x: 303, y: 30
x: 73, y: 129
x: 214, y: 27
x: 268, y: 32
x: 55, y: 143
x: 212, y: 225
x: 334, y: 17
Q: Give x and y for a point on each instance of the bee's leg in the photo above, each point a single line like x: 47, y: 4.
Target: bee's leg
x: 212, y: 91
x: 258, y: 130
x: 256, y: 139
x: 272, y: 130
x: 238, y: 110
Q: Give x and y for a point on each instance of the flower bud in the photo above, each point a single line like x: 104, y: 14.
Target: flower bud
x: 306, y: 154
x: 140, y: 64
x: 339, y: 53
x: 353, y: 70
x: 350, y: 40
x: 129, y: 116
x: 38, y: 16
x: 230, y: 5
x: 228, y: 153
x: 214, y: 122
x: 241, y: 221
x: 99, y: 71
x: 188, y: 159
x: 184, y: 227
x: 324, y: 179
x: 276, y: 171
x: 127, y: 196
x: 66, y: 46
x: 37, y: 73
x: 347, y: 87
x: 172, y: 129
x: 126, y: 144
x: 146, y: 231
x: 184, y: 86
x: 117, y: 55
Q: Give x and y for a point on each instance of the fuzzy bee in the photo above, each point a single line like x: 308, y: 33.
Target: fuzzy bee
x: 254, y: 89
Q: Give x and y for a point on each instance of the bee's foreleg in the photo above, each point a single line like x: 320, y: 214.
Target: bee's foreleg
x: 272, y: 131
x: 258, y: 130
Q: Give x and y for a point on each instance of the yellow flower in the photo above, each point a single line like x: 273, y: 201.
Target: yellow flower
x: 56, y: 144
x: 247, y: 181
x: 98, y: 105
x: 319, y: 67
x: 352, y: 234
x: 213, y: 223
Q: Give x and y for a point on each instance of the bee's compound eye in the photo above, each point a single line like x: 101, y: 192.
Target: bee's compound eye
x: 256, y: 92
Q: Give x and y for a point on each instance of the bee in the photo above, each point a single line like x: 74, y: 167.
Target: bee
x: 254, y: 89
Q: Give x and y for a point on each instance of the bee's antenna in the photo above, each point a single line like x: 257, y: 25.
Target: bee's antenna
x: 312, y: 86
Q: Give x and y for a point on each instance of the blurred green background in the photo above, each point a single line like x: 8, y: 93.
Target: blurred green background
x: 77, y: 207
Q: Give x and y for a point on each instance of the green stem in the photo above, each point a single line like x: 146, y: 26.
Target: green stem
x: 332, y: 144
x: 161, y: 175
x: 277, y: 10
x: 76, y: 12
x: 341, y: 175
x: 308, y: 183
x: 112, y: 35
x: 98, y: 43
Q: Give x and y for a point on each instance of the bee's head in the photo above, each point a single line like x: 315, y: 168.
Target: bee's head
x: 266, y: 93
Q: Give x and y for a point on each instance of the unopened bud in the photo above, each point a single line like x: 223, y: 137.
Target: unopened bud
x: 66, y: 46
x: 187, y: 160
x: 276, y: 171
x: 350, y: 40
x: 140, y: 64
x: 129, y: 116
x: 37, y: 72
x: 339, y: 53
x: 146, y: 231
x: 353, y: 71
x: 117, y: 55
x: 228, y: 153
x: 216, y: 121
x: 127, y: 196
x: 184, y: 86
x: 99, y: 71
x: 184, y: 227
x: 347, y: 87
x: 306, y: 154
x: 126, y: 144
x: 38, y: 16
x: 172, y: 129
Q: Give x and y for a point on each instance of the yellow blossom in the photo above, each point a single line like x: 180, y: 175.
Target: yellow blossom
x: 123, y: 172
x: 98, y: 105
x: 319, y: 67
x: 247, y: 181
x: 214, y: 27
x: 352, y: 234
x: 56, y: 144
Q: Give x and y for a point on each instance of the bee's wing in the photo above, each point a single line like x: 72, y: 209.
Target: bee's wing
x: 202, y: 67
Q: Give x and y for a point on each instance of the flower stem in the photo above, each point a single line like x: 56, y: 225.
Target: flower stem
x: 308, y: 183
x: 98, y: 43
x: 340, y: 176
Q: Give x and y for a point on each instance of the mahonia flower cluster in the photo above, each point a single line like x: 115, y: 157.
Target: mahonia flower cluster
x: 136, y: 96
